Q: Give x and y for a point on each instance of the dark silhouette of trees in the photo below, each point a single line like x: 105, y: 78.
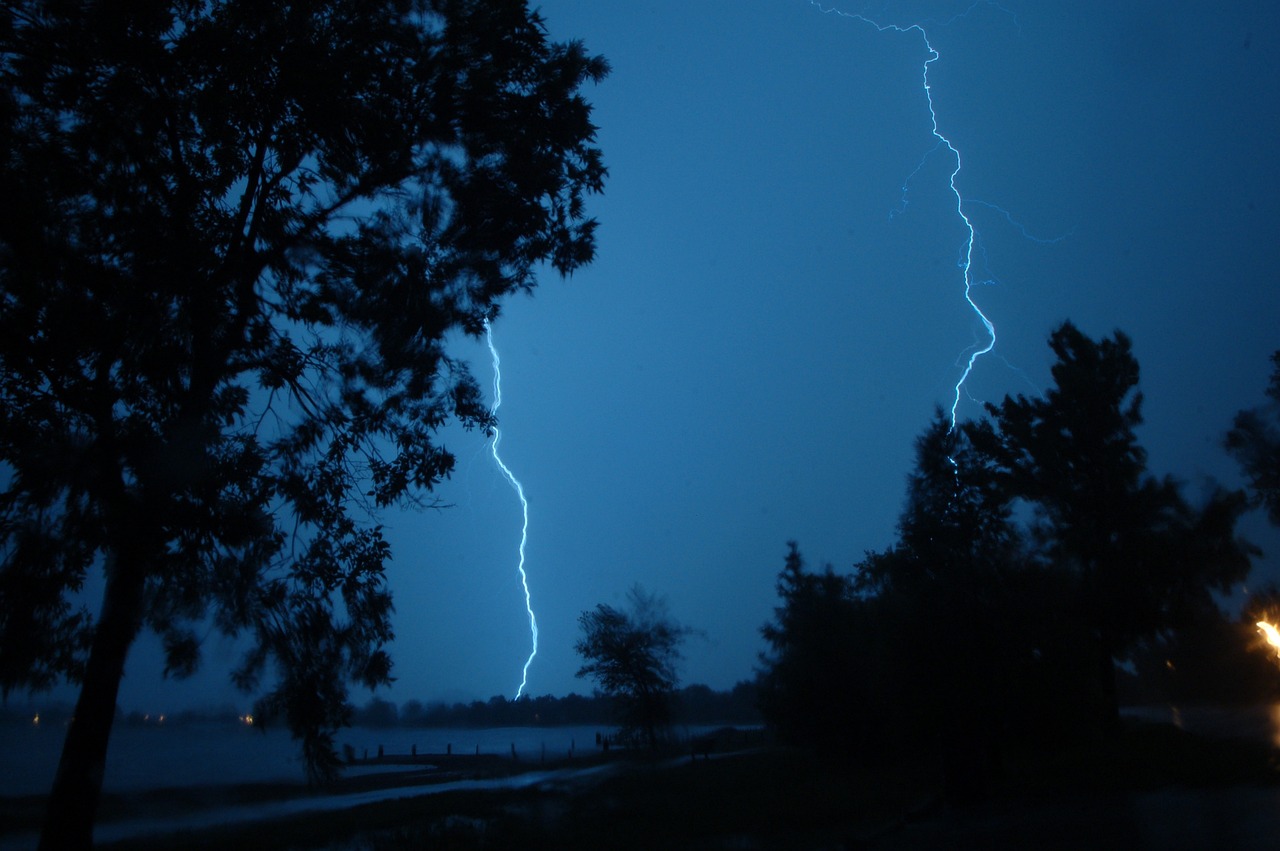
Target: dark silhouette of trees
x: 976, y: 643
x: 377, y: 713
x: 233, y: 240
x: 817, y: 686
x: 944, y: 646
x: 1254, y: 441
x: 1140, y: 554
x: 1033, y: 551
x: 700, y: 704
x: 632, y: 655
x: 692, y: 704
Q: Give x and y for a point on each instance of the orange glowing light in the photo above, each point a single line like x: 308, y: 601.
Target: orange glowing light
x: 1271, y: 634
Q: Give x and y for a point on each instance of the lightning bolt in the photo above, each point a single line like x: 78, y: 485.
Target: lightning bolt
x: 524, y: 504
x: 966, y: 253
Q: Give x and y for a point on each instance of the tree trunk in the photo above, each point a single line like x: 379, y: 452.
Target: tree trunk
x: 73, y: 802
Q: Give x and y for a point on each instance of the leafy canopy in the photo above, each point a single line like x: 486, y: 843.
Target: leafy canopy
x: 234, y: 240
x: 1254, y: 441
x: 977, y: 628
x: 633, y: 656
x: 1143, y: 554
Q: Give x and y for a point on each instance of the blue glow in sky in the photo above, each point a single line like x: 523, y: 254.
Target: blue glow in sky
x: 759, y: 341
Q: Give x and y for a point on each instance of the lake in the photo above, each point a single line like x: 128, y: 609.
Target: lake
x: 152, y: 756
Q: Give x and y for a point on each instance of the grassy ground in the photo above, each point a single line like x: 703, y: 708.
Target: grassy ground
x: 773, y: 799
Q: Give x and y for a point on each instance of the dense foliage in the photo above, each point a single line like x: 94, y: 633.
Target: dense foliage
x: 1034, y: 551
x: 235, y: 236
x: 1140, y: 554
x: 1254, y: 440
x: 632, y: 655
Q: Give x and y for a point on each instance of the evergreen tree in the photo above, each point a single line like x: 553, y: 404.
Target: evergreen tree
x: 814, y: 685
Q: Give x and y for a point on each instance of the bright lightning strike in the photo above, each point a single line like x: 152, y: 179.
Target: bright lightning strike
x: 524, y: 505
x: 966, y: 254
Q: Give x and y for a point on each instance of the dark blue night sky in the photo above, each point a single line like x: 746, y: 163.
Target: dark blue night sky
x: 767, y: 327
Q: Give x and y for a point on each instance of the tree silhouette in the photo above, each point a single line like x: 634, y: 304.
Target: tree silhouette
x: 1139, y: 552
x: 817, y: 685
x: 907, y: 649
x: 944, y: 646
x: 974, y: 631
x: 945, y: 581
x: 973, y: 623
x: 633, y: 655
x: 1254, y: 440
x: 956, y: 521
x: 234, y: 238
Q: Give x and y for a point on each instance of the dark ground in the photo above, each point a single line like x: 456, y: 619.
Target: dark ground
x: 1153, y: 787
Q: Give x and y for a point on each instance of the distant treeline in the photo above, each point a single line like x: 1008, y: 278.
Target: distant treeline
x: 38, y: 712
x: 695, y: 704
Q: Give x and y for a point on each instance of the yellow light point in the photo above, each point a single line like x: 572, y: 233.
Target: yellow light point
x: 36, y: 721
x: 1271, y: 634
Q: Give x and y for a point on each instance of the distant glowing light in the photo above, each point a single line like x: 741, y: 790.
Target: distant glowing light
x: 1271, y: 635
x: 524, y: 506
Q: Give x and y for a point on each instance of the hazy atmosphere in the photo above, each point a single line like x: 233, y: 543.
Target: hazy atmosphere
x: 776, y: 305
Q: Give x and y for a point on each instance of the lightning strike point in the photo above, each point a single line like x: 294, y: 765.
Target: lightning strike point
x: 524, y: 505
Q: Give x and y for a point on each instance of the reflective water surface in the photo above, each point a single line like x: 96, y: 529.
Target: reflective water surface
x: 162, y: 755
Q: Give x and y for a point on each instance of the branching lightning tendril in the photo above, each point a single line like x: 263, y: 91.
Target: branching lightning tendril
x: 524, y: 505
x: 966, y: 253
